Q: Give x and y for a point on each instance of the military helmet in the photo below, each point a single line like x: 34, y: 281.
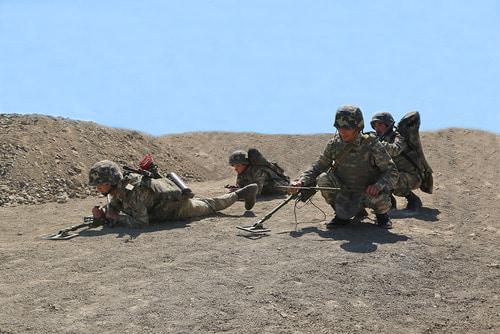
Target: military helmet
x: 349, y: 116
x: 105, y: 171
x: 383, y: 117
x: 238, y: 157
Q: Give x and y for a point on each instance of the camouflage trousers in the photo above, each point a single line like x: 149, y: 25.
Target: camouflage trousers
x: 196, y: 207
x: 406, y: 183
x: 348, y: 204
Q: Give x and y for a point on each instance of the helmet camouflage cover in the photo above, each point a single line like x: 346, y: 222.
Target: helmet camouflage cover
x: 349, y: 116
x: 383, y: 117
x: 105, y: 171
x: 238, y: 157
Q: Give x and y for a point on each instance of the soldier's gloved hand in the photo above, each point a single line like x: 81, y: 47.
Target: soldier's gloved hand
x: 97, y: 212
x: 372, y: 190
x: 111, y: 215
x: 292, y: 190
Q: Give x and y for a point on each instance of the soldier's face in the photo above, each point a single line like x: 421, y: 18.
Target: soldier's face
x: 103, y: 188
x: 347, y: 135
x: 380, y: 128
x: 239, y: 168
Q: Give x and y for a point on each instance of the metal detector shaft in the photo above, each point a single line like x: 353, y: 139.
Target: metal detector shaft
x: 314, y: 188
x: 273, y: 211
x: 75, y: 227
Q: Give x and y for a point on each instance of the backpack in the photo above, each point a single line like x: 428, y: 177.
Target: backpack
x: 257, y: 159
x: 408, y: 127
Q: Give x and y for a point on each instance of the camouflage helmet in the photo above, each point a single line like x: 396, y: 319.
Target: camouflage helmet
x: 105, y: 171
x: 383, y: 117
x: 238, y: 157
x: 349, y: 116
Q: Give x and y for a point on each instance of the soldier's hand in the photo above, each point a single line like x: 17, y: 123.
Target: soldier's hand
x: 97, y: 212
x: 293, y: 190
x: 372, y: 190
x: 111, y: 215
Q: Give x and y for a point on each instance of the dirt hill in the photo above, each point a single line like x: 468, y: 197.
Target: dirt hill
x: 46, y: 158
x: 436, y: 271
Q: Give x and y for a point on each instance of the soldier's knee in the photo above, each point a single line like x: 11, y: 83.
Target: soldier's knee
x: 380, y: 204
x: 329, y: 196
x: 323, y: 180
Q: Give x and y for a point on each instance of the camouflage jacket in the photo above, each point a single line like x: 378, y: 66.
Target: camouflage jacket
x: 266, y: 179
x: 366, y: 163
x: 142, y: 200
x: 396, y: 146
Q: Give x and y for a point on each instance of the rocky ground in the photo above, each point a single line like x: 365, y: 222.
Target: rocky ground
x: 436, y: 271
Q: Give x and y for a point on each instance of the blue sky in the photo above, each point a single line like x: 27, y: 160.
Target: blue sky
x: 269, y: 66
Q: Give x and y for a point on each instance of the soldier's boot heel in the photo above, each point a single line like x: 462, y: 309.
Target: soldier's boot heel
x: 383, y: 221
x: 336, y: 221
x: 414, y: 202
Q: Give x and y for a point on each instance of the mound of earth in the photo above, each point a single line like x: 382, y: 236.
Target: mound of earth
x: 45, y: 158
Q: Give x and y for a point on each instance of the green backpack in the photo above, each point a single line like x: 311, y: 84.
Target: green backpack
x: 409, y: 127
x: 257, y: 159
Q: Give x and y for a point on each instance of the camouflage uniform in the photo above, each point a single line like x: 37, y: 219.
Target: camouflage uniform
x: 266, y: 179
x: 395, y: 145
x: 364, y: 162
x: 142, y: 201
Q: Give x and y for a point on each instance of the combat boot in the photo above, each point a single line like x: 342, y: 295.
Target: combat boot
x: 414, y: 202
x: 248, y: 194
x: 336, y: 221
x: 384, y: 221
x: 362, y: 214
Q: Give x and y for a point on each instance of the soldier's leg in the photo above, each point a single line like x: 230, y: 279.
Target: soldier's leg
x: 381, y: 204
x: 407, y: 182
x: 328, y: 180
x: 196, y: 207
x: 347, y: 205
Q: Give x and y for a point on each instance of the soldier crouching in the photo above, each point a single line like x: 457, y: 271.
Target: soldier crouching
x: 359, y: 166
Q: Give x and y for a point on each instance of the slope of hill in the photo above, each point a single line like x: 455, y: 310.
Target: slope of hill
x: 45, y: 158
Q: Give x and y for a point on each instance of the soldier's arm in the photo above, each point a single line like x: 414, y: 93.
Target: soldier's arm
x: 136, y: 215
x: 386, y: 165
x: 260, y: 177
x: 395, y: 148
x: 240, y: 182
x: 322, y: 164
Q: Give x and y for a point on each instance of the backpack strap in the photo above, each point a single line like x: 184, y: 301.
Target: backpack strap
x: 342, y: 156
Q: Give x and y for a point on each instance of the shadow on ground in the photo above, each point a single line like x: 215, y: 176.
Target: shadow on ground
x: 133, y: 233
x: 426, y: 214
x: 361, y: 237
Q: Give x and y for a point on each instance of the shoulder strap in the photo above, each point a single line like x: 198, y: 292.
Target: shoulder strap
x: 342, y: 156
